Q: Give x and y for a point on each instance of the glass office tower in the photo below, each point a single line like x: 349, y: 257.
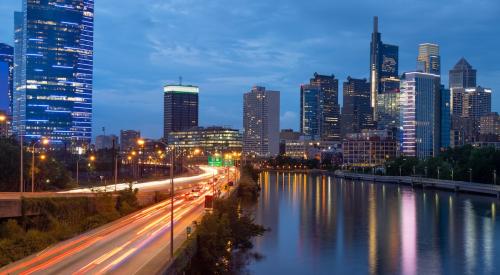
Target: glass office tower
x: 319, y: 108
x: 311, y: 117
x: 384, y: 63
x: 180, y: 107
x: 53, y: 70
x: 356, y: 111
x: 6, y: 77
x: 420, y: 114
x: 445, y: 101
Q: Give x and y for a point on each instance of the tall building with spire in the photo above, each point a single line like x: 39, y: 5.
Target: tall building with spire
x: 429, y: 60
x: 462, y: 75
x: 384, y: 63
x: 53, y: 71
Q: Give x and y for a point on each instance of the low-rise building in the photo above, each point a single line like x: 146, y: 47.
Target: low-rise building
x: 369, y: 148
x: 209, y: 140
x: 4, y: 124
x: 106, y: 142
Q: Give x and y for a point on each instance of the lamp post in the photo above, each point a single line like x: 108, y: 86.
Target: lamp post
x: 438, y: 170
x: 452, y: 174
x: 400, y: 170
x: 141, y: 142
x: 494, y: 176
x: 43, y: 141
x: 470, y: 175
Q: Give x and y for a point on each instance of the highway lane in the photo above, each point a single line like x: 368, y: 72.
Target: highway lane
x: 135, y: 244
x: 159, y: 185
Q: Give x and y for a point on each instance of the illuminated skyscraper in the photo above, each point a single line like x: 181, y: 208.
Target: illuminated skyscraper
x: 319, y: 108
x: 429, y: 60
x: 180, y: 108
x: 420, y: 114
x: 462, y: 75
x: 384, y: 62
x: 261, y: 122
x: 6, y: 77
x: 388, y: 112
x: 53, y: 70
x: 356, y: 111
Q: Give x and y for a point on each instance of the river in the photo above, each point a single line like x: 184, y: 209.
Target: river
x: 324, y: 225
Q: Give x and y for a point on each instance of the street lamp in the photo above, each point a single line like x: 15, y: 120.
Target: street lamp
x: 43, y: 141
x: 470, y: 175
x: 438, y: 170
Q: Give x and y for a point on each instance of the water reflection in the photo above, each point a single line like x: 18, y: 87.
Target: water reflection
x: 322, y: 225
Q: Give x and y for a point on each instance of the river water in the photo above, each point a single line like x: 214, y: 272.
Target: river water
x: 323, y: 225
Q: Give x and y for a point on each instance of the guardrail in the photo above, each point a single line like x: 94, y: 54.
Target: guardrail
x: 457, y: 186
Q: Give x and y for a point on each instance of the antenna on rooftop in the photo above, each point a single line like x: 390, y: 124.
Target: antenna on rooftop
x: 180, y: 80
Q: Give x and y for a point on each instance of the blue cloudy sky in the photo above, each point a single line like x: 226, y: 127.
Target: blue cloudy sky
x: 227, y: 46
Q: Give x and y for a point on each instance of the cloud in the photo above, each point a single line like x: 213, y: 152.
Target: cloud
x: 289, y: 120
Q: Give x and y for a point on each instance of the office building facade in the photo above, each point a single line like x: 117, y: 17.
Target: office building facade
x: 356, y: 112
x: 420, y: 114
x: 261, y: 122
x: 53, y: 70
x: 209, y: 140
x: 384, y: 63
x: 370, y: 148
x: 429, y: 60
x: 6, y: 77
x: 489, y: 126
x: 462, y: 75
x: 180, y: 108
x: 388, y: 112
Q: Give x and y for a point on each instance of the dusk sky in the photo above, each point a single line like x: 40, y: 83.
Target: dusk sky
x: 227, y: 46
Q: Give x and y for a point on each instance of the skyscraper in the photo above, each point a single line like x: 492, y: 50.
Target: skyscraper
x: 53, y: 71
x: 261, y: 122
x: 420, y: 114
x: 476, y: 103
x: 180, y: 107
x: 429, y: 60
x: 356, y: 111
x: 6, y: 77
x: 384, y: 62
x: 319, y: 108
x: 445, y: 122
x: 388, y: 112
x: 462, y: 75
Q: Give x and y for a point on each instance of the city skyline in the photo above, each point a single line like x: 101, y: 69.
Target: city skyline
x: 341, y: 50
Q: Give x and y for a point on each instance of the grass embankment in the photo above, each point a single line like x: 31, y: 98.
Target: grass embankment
x: 224, y: 235
x: 59, y: 219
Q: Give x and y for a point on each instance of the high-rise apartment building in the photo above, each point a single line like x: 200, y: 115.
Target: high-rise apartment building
x: 429, y: 60
x: 384, y: 62
x: 180, y: 108
x: 420, y: 114
x: 356, y: 111
x: 261, y: 122
x: 53, y: 68
x: 490, y: 125
x: 6, y: 77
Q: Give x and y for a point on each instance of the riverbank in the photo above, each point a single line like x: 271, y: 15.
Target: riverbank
x: 223, y: 237
x: 456, y: 186
x: 419, y: 182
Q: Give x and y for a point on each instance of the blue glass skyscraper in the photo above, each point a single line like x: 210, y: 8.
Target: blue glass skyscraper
x: 6, y: 77
x: 420, y: 114
x: 53, y: 70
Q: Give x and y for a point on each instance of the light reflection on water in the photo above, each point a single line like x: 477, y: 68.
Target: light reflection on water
x: 323, y: 225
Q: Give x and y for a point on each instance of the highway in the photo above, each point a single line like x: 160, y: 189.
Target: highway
x: 160, y: 185
x: 135, y: 244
